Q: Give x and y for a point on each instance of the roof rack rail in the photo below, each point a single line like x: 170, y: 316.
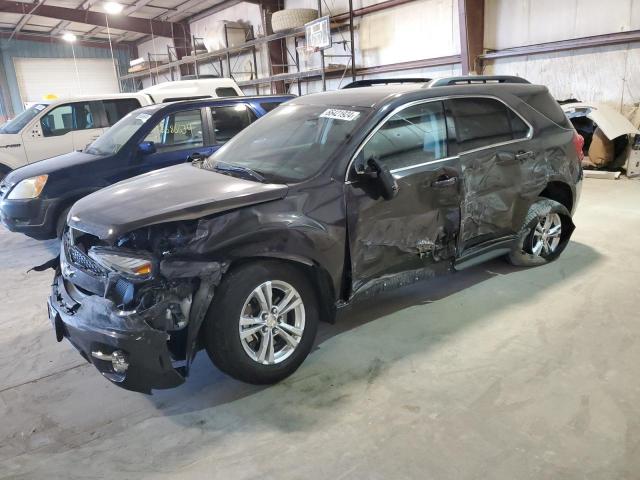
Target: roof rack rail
x: 385, y: 81
x: 473, y: 79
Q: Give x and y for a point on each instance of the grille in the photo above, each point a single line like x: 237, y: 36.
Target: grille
x: 81, y: 260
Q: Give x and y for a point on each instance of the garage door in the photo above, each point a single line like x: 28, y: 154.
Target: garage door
x: 38, y: 77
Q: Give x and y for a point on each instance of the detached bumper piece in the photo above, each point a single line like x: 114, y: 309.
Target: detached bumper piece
x: 121, y: 345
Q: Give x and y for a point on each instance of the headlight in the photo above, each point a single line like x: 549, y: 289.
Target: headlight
x: 136, y: 267
x: 28, y: 188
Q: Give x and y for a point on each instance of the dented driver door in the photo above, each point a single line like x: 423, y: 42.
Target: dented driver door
x: 396, y: 241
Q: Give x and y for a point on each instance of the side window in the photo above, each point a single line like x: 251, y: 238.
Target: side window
x: 482, y: 122
x: 230, y: 120
x: 415, y: 135
x: 118, y: 108
x: 178, y: 131
x: 268, y: 106
x: 66, y: 118
x: 226, y: 92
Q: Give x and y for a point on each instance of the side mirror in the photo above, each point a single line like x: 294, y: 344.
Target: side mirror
x: 195, y: 157
x: 381, y: 175
x: 147, y: 148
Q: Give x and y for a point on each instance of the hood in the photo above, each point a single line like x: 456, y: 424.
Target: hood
x: 182, y: 192
x: 9, y: 139
x: 52, y: 165
x: 612, y: 123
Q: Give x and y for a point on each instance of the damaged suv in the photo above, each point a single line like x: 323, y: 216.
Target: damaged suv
x: 331, y: 197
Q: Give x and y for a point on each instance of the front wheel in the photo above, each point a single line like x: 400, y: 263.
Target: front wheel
x: 544, y: 235
x: 262, y: 322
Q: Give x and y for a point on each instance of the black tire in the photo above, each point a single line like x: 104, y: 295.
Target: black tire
x: 221, y: 327
x: 61, y: 223
x: 523, y: 254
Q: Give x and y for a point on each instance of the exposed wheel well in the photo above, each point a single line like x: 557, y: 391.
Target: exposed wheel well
x: 317, y: 275
x: 560, y: 192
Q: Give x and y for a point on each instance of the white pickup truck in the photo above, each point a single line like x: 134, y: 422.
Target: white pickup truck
x: 48, y: 129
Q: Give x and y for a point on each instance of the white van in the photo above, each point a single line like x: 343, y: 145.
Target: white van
x: 48, y: 129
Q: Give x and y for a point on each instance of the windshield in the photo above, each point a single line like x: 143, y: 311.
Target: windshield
x: 110, y: 142
x: 18, y: 123
x: 289, y: 144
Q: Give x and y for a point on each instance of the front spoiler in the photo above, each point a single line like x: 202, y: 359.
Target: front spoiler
x: 92, y: 324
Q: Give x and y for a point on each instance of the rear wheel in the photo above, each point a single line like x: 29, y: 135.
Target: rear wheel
x: 544, y: 236
x: 262, y: 322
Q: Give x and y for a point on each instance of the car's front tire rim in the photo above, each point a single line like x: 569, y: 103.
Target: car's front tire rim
x: 546, y: 235
x: 271, y: 322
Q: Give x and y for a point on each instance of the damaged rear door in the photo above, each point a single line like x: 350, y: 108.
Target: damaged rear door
x: 495, y: 150
x: 418, y: 227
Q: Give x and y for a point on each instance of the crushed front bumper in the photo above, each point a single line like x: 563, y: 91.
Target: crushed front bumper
x: 96, y: 329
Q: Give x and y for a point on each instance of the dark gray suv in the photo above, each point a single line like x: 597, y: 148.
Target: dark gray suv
x: 331, y: 197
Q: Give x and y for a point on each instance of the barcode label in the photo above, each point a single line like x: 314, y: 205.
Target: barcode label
x: 346, y: 115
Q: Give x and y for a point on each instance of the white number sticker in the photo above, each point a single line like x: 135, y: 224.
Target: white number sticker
x: 346, y: 115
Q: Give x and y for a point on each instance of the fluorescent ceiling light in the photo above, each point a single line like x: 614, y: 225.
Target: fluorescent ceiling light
x: 113, y: 8
x: 69, y: 37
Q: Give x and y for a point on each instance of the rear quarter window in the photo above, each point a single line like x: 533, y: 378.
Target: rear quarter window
x: 268, y: 106
x: 545, y: 104
x: 226, y: 92
x: 117, y: 109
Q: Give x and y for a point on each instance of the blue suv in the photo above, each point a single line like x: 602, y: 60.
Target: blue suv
x: 36, y: 198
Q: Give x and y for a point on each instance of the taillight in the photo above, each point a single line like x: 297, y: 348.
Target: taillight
x: 578, y: 142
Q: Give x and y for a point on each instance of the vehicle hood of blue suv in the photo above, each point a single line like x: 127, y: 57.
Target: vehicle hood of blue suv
x: 181, y: 192
x: 52, y: 165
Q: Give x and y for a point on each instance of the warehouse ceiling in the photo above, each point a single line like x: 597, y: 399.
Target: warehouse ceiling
x: 56, y: 24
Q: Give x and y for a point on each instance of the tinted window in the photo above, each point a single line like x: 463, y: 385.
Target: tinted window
x: 548, y: 106
x: 268, y: 106
x: 177, y: 131
x: 117, y: 109
x: 415, y: 135
x: 482, y: 122
x: 230, y: 120
x: 226, y: 92
x: 65, y: 118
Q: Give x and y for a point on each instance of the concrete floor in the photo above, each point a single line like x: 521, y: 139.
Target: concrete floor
x: 490, y: 373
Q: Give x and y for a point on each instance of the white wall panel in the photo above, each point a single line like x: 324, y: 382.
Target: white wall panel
x: 608, y: 75
x: 511, y: 23
x: 38, y: 77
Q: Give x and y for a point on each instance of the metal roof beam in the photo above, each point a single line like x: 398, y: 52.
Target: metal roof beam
x: 120, y: 22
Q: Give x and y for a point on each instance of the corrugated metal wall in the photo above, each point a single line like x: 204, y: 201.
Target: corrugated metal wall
x: 36, y: 49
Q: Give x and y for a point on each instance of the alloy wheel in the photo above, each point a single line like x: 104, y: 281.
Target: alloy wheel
x: 272, y: 322
x: 546, y: 235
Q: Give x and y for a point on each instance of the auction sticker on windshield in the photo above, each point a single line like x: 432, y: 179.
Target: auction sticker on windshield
x: 347, y: 115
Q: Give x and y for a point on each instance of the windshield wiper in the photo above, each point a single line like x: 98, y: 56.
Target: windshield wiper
x: 228, y: 167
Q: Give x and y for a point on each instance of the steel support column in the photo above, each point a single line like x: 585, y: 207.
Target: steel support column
x: 471, y: 13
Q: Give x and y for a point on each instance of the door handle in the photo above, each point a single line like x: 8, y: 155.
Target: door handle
x: 445, y: 182
x: 522, y: 156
